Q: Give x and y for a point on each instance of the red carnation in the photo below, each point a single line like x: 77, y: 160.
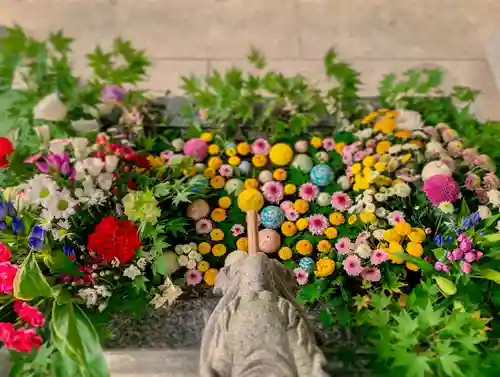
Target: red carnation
x: 6, y: 149
x: 114, y: 238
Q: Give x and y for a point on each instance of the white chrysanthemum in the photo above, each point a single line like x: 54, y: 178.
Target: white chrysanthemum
x: 105, y: 181
x: 381, y: 212
x: 88, y: 193
x: 378, y: 234
x: 434, y: 148
x: 186, y: 249
x: 178, y: 249
x: 194, y: 255
x: 344, y: 182
x: 408, y: 120
x: 370, y: 207
x: 102, y: 291
x: 379, y: 197
x: 110, y: 163
x: 402, y: 190
x: 131, y: 272
x: 39, y: 189
x: 494, y: 198
x: 410, y: 147
x: 61, y: 205
x: 323, y: 199
x: 191, y: 264
x: 50, y: 108
x: 364, y: 134
x: 434, y: 168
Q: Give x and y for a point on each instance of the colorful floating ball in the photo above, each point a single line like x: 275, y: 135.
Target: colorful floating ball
x: 265, y: 176
x: 250, y: 199
x: 234, y: 186
x: 321, y: 175
x: 271, y: 217
x: 281, y: 154
x: 198, y: 209
x: 245, y: 167
x: 306, y: 263
x: 196, y: 148
x: 269, y: 241
x: 303, y: 162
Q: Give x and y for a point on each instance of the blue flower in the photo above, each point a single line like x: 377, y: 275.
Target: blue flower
x: 438, y: 240
x: 11, y: 210
x: 448, y: 239
x: 459, y: 231
x: 466, y: 223
x: 475, y: 218
x: 3, y: 210
x: 68, y: 250
x: 3, y: 225
x: 17, y: 225
x: 36, y: 237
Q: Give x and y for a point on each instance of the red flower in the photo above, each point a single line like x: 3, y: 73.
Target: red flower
x: 29, y: 314
x: 8, y: 272
x: 4, y: 253
x: 114, y: 238
x: 142, y: 161
x: 6, y: 149
x: 22, y: 340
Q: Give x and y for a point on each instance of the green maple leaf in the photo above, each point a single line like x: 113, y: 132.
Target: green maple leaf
x: 449, y: 365
x: 430, y: 317
x: 406, y: 325
x: 416, y: 365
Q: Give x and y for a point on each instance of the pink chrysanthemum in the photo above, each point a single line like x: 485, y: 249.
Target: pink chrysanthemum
x: 193, y: 277
x: 261, y: 146
x: 343, y: 246
x: 292, y: 215
x: 378, y: 256
x: 226, y: 171
x: 352, y: 265
x: 329, y: 144
x: 301, y: 276
x: 286, y: 205
x: 359, y: 155
x: 308, y: 191
x: 237, y: 230
x: 441, y: 188
x: 273, y: 191
x: 371, y: 274
x: 341, y: 201
x: 167, y: 155
x: 317, y: 224
x: 362, y: 237
x: 491, y: 182
x: 203, y: 226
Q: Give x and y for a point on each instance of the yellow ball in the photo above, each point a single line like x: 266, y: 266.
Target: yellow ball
x: 281, y: 154
x: 250, y: 199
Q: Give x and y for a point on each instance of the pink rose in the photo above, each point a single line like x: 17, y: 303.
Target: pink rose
x: 29, y: 314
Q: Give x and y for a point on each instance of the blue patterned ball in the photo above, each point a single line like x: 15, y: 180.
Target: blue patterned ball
x: 306, y: 263
x: 245, y: 167
x: 321, y: 175
x: 271, y: 217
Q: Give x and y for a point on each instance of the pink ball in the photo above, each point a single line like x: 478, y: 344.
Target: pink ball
x: 197, y: 149
x: 301, y: 146
x: 441, y: 188
x: 269, y: 241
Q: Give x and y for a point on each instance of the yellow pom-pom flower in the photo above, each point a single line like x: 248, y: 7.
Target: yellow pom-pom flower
x: 203, y: 266
x: 285, y: 253
x: 383, y: 147
x: 385, y: 125
x: 216, y: 235
x: 304, y: 247
x: 301, y: 206
x: 230, y: 152
x: 279, y: 174
x: 214, y: 162
x: 331, y: 232
x: 324, y: 246
x: 290, y: 189
x: 213, y: 149
x: 281, y: 154
x: 251, y: 183
x: 217, y: 182
x: 324, y: 267
x: 288, y: 228
x: 209, y: 172
x: 250, y: 200
x: 336, y: 218
x: 302, y: 224
x: 316, y: 142
x: 219, y: 250
x: 218, y: 214
x: 367, y: 217
x: 207, y: 137
x: 234, y: 161
x: 259, y: 160
x: 339, y: 147
x: 352, y: 219
x: 242, y: 244
x: 243, y: 148
x: 204, y: 248
x: 414, y: 249
x: 225, y: 202
x: 210, y: 276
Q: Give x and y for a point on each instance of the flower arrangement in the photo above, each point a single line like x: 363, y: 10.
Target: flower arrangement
x: 390, y: 220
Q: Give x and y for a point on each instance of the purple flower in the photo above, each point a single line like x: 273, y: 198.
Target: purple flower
x: 36, y: 237
x: 112, y: 93
x: 438, y: 266
x: 54, y: 162
x: 466, y: 245
x: 17, y: 225
x: 458, y: 254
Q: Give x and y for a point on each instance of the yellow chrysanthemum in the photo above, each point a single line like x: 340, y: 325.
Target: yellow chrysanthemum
x: 213, y: 149
x: 391, y: 235
x: 214, y: 162
x: 279, y: 174
x: 285, y: 253
x: 217, y: 182
x: 369, y: 118
x: 251, y: 183
x: 234, y: 161
x: 356, y: 168
x: 324, y: 267
x: 288, y: 228
x: 242, y: 244
x: 219, y: 250
x: 203, y: 266
x: 301, y: 206
x: 225, y: 202
x: 352, y: 219
x: 259, y: 160
x: 304, y: 247
x: 210, y: 276
x: 336, y: 218
x: 216, y: 235
x: 383, y: 147
x: 324, y: 246
x: 331, y: 232
x: 209, y: 172
x: 290, y: 189
x: 380, y: 167
x: 243, y: 148
x: 368, y: 161
x: 385, y: 125
x: 204, y: 248
x: 302, y: 224
x: 207, y: 137
x: 281, y: 154
x: 417, y: 235
x: 231, y: 151
x: 218, y: 214
x: 316, y: 142
x: 339, y: 147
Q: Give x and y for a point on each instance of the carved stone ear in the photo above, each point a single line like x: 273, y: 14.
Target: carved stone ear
x: 223, y: 280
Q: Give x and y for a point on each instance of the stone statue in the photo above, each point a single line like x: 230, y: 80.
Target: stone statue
x: 257, y: 330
